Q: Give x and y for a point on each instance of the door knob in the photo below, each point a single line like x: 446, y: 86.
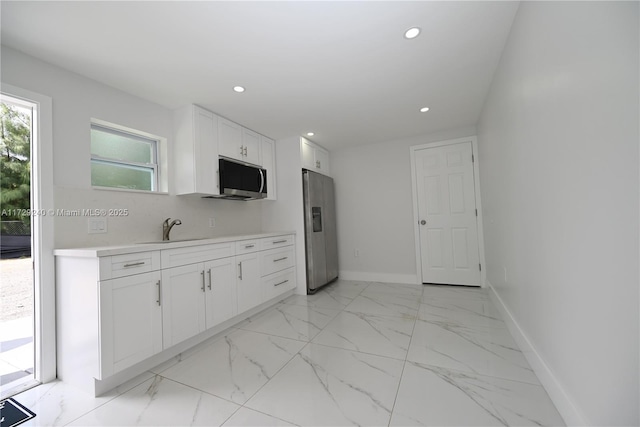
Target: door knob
x: 423, y: 222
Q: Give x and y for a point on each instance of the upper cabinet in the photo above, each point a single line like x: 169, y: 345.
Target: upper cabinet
x: 239, y: 143
x: 314, y: 157
x: 201, y: 137
x: 196, y: 151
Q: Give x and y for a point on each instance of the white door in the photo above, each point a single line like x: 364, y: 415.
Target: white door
x: 447, y: 215
x: 249, y: 292
x: 221, y: 291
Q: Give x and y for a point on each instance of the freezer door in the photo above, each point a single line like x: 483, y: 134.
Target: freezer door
x: 330, y: 232
x: 314, y: 211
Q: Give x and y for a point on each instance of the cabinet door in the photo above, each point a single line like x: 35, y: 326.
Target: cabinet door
x: 183, y: 312
x: 221, y: 291
x: 321, y: 161
x: 308, y: 154
x: 130, y: 321
x: 268, y: 148
x: 248, y: 281
x: 206, y: 151
x: 230, y: 139
x: 251, y: 147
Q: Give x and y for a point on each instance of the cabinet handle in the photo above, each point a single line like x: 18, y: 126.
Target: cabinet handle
x: 281, y: 283
x: 159, y: 292
x: 245, y: 151
x: 133, y: 264
x: 279, y: 241
x: 240, y: 265
x: 241, y: 150
x: 202, y: 273
x: 280, y: 259
x: 248, y: 246
x: 209, y: 278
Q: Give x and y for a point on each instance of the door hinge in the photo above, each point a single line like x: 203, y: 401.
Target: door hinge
x: 480, y: 267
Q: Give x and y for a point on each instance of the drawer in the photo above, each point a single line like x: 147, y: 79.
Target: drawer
x: 276, y: 242
x: 275, y: 260
x: 129, y: 264
x: 278, y: 283
x: 247, y: 246
x: 192, y: 254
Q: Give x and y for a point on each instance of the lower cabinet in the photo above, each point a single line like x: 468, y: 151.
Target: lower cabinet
x: 221, y: 303
x: 130, y: 321
x: 183, y: 299
x: 158, y: 299
x: 248, y: 281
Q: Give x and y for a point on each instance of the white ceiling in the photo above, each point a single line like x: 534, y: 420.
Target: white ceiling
x: 340, y: 69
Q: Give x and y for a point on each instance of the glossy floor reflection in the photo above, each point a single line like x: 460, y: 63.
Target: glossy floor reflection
x: 356, y: 353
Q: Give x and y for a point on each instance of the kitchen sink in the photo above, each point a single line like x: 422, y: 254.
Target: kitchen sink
x: 173, y: 241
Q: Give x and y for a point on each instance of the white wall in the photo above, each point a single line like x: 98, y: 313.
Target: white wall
x: 374, y: 208
x: 558, y: 142
x: 76, y: 100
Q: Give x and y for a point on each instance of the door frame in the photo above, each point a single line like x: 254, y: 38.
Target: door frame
x: 42, y: 201
x: 416, y: 217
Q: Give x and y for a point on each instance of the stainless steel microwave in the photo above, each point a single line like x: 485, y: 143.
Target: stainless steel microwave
x: 241, y: 181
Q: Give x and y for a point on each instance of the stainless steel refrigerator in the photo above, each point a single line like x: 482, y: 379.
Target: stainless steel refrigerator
x: 320, y: 230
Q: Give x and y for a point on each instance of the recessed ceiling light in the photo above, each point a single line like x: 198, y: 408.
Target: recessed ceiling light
x: 238, y: 89
x: 310, y: 133
x: 412, y: 33
x: 424, y: 109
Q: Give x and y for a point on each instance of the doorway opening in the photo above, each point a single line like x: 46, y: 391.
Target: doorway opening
x: 17, y: 306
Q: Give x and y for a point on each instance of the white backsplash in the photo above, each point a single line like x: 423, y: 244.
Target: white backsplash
x: 146, y: 213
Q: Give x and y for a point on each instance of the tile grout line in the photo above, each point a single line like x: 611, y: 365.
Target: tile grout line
x: 404, y: 365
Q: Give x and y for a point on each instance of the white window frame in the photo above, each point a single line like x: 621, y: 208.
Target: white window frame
x: 158, y: 144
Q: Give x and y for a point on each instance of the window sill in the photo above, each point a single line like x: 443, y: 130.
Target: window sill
x: 127, y: 190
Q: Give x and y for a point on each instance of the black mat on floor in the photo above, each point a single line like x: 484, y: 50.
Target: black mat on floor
x: 12, y: 413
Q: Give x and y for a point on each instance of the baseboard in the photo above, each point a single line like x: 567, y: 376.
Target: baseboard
x: 569, y: 411
x: 411, y: 279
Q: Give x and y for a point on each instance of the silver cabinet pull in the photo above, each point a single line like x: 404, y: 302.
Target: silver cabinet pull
x: 202, y: 273
x: 280, y: 259
x: 279, y: 241
x: 281, y: 283
x: 248, y: 246
x: 209, y: 278
x: 159, y: 292
x: 133, y: 264
x: 240, y: 265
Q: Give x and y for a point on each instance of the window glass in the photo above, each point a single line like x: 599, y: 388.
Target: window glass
x: 123, y: 160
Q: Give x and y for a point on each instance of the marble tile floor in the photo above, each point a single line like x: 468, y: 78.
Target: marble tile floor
x: 356, y: 353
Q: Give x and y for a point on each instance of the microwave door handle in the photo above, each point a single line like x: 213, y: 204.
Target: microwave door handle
x: 261, y: 180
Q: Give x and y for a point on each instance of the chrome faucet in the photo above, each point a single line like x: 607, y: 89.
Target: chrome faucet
x: 166, y: 227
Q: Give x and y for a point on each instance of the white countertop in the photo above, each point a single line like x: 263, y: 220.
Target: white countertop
x: 156, y: 246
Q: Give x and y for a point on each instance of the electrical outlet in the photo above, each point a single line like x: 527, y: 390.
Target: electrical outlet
x: 212, y: 222
x: 97, y: 225
x: 356, y: 253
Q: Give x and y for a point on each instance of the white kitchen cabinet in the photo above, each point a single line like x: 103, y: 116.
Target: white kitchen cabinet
x: 196, y: 151
x: 238, y: 142
x: 248, y: 287
x: 314, y: 157
x: 268, y: 148
x: 230, y: 139
x: 130, y: 321
x: 251, y: 147
x: 123, y: 310
x: 220, y: 295
x: 183, y: 296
